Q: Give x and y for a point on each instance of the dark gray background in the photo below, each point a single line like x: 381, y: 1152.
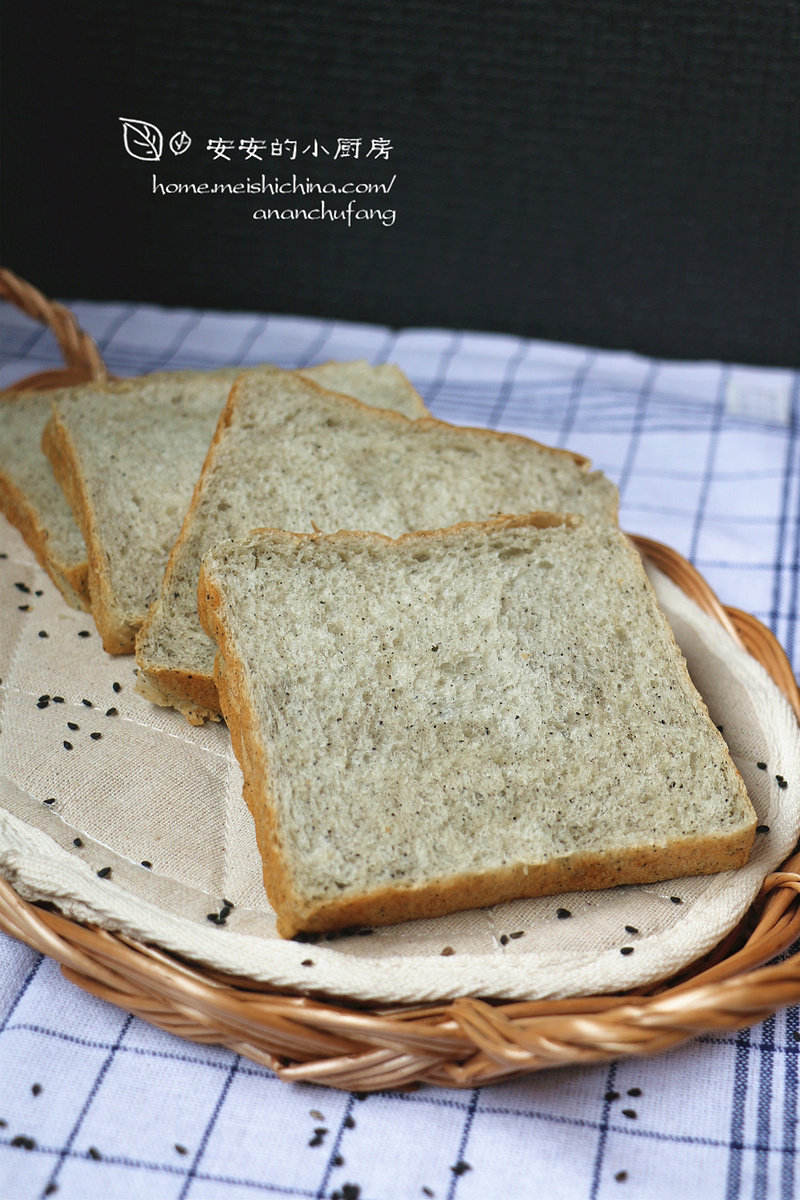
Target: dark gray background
x: 599, y: 172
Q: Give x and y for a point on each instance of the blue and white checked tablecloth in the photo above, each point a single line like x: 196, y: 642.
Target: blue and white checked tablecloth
x: 95, y: 1103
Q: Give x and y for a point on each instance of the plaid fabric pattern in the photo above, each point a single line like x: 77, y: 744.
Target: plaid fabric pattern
x: 95, y: 1103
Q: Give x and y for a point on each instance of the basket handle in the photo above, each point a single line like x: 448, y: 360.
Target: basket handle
x: 83, y: 360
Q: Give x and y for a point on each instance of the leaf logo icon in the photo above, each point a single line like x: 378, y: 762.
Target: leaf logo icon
x: 180, y: 142
x: 142, y: 140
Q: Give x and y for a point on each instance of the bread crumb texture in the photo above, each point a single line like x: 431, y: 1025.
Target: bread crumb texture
x: 291, y: 456
x: 495, y: 706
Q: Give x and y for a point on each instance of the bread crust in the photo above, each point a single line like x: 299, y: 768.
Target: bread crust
x: 70, y: 579
x: 416, y: 403
x: 644, y: 863
x: 179, y: 687
x: 166, y: 688
x: 116, y: 634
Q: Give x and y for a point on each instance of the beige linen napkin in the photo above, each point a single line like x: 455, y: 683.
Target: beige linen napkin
x: 93, y: 777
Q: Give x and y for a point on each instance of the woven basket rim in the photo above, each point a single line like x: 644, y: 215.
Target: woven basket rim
x: 461, y: 1043
x: 83, y: 360
x: 466, y: 1042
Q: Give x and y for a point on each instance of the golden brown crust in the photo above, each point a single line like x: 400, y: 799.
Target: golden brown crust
x: 428, y: 422
x: 239, y: 713
x: 575, y: 873
x: 168, y: 689
x: 417, y: 403
x: 167, y: 686
x: 391, y: 904
x: 71, y: 581
x: 116, y: 634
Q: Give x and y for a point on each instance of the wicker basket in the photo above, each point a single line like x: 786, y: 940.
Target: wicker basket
x: 462, y: 1043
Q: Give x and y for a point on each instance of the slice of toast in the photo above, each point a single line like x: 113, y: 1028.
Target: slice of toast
x: 290, y: 455
x: 463, y: 717
x: 33, y: 501
x: 128, y: 457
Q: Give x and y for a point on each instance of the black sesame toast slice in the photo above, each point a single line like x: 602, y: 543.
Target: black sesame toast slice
x: 462, y: 717
x: 31, y: 498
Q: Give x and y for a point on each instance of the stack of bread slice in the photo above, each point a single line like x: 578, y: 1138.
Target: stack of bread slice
x: 445, y: 673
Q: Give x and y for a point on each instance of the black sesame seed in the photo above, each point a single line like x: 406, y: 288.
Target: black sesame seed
x: 67, y: 745
x: 338, y: 1161
x: 77, y: 842
x: 307, y: 962
x: 350, y: 1191
x: 228, y: 903
x: 111, y: 712
x: 762, y: 828
x: 630, y: 1113
x: 84, y: 633
x: 50, y: 800
x: 626, y: 950
x: 631, y: 929
x: 72, y: 725
x: 23, y: 587
x: 23, y: 1142
x: 563, y: 913
x: 782, y: 784
x: 461, y: 1168
x: 44, y: 698
x: 316, y: 1114
x: 95, y: 736
x: 51, y: 1189
x: 504, y: 939
x: 3, y: 1123
x: 214, y: 918
x: 42, y: 633
x: 104, y: 872
x: 676, y: 900
x: 761, y: 766
x: 181, y: 1149
x: 57, y: 699
x: 87, y: 703
x: 447, y: 951
x: 609, y: 1096
x: 37, y: 1089
x: 634, y: 1091
x: 621, y: 1176
x: 303, y: 937
x: 349, y: 1122
x: 117, y: 687
x: 94, y: 1153
x: 225, y: 911
x: 147, y: 864
x: 426, y: 1191
x: 42, y: 703
x: 38, y: 592
x: 519, y: 933
x: 24, y: 607
x: 3, y: 555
